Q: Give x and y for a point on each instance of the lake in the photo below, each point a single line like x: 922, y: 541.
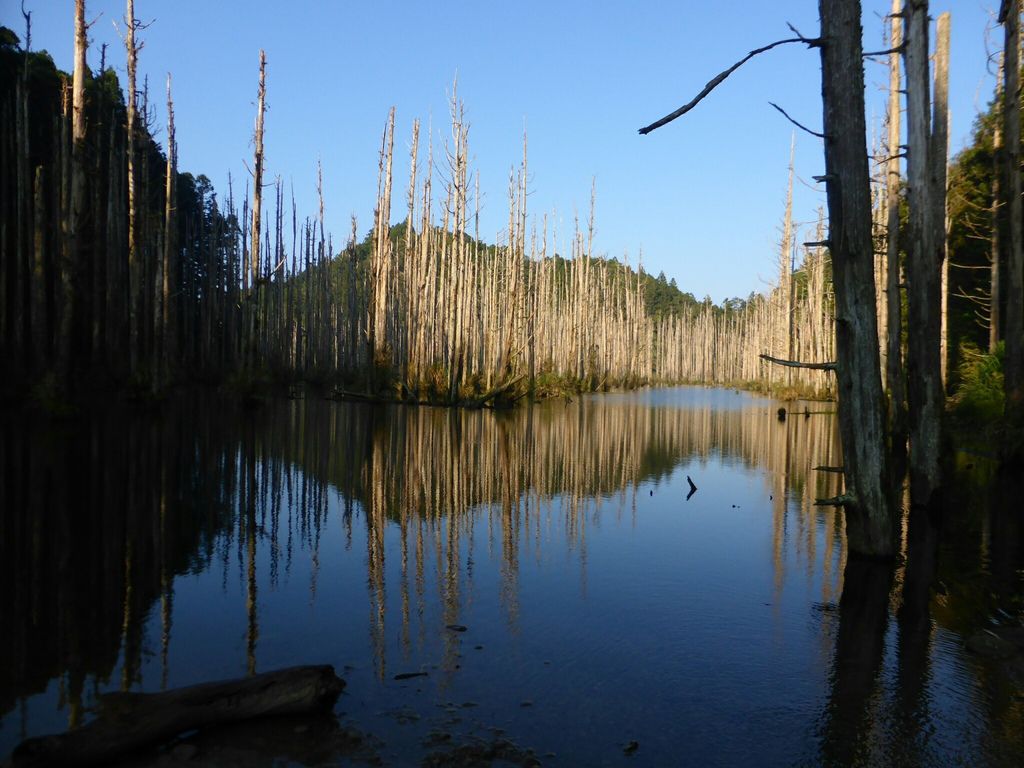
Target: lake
x: 569, y: 599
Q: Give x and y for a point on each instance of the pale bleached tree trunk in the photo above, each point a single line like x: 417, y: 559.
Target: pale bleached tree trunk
x: 380, y: 258
x: 134, y: 265
x: 995, y: 253
x: 74, y: 253
x: 939, y: 158
x: 167, y: 328
x: 786, y: 270
x: 895, y: 377
x: 252, y: 303
x: 257, y: 171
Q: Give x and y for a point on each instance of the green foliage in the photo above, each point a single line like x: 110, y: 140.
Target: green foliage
x: 663, y: 298
x: 8, y: 38
x: 978, y: 401
x: 971, y: 185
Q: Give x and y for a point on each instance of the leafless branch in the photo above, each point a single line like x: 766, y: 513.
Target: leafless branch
x: 28, y: 27
x: 798, y: 364
x: 717, y: 80
x: 794, y: 122
x: 897, y: 49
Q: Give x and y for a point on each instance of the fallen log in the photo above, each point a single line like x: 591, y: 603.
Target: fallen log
x: 130, y: 721
x: 491, y: 394
x: 362, y: 397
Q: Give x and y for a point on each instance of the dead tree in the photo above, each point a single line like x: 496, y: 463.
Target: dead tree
x: 894, y: 374
x: 1013, y: 241
x: 257, y: 171
x: 74, y: 252
x: 995, y: 253
x: 165, y: 328
x: 939, y: 159
x: 870, y: 519
x: 924, y: 381
x: 134, y: 266
x: 871, y: 529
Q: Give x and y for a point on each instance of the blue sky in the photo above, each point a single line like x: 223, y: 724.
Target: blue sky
x: 702, y: 197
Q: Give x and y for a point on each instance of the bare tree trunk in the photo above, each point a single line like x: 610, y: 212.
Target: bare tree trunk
x: 995, y: 254
x: 939, y: 158
x: 923, y: 268
x: 870, y: 522
x: 134, y: 267
x: 894, y: 305
x: 23, y: 244
x: 167, y: 331
x: 252, y: 301
x: 257, y: 170
x: 40, y: 342
x: 786, y: 263
x: 70, y: 268
x: 1009, y: 16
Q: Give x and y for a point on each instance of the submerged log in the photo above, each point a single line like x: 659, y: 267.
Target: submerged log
x: 129, y: 721
x: 494, y: 393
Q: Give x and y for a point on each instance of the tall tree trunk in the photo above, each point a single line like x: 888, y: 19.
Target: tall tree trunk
x: 894, y: 305
x: 134, y: 267
x: 1009, y: 16
x: 939, y: 158
x: 40, y: 341
x: 870, y: 522
x: 167, y: 329
x: 995, y: 254
x: 923, y: 267
x: 257, y: 170
x: 71, y: 265
x: 257, y: 213
x: 786, y: 268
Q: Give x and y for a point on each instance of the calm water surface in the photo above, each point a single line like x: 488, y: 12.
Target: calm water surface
x: 601, y: 605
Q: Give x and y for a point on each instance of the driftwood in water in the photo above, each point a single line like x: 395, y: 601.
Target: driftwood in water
x: 494, y: 392
x: 129, y: 721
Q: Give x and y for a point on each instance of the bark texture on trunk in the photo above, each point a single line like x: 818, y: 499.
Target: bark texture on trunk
x: 134, y: 267
x: 939, y: 159
x: 995, y: 289
x: 168, y: 274
x: 924, y: 264
x: 1014, y: 334
x: 870, y: 522
x: 75, y: 250
x: 895, y: 377
x: 257, y: 171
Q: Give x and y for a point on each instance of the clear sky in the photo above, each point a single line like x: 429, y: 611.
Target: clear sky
x: 702, y: 197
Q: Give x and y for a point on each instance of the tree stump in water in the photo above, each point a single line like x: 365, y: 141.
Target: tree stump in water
x: 128, y: 721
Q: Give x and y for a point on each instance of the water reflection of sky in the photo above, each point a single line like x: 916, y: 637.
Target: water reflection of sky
x: 717, y: 398
x: 601, y: 606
